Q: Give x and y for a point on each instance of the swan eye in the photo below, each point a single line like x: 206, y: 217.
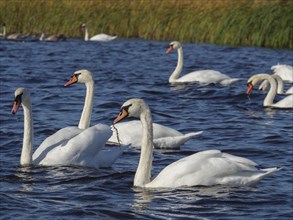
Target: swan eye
x: 18, y: 98
x: 125, y: 108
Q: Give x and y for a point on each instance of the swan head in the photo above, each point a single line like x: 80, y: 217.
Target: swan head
x: 173, y: 45
x: 21, y: 96
x: 83, y: 26
x: 132, y: 108
x: 80, y: 76
x: 252, y: 81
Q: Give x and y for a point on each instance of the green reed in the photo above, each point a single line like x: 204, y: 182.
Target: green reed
x: 266, y: 23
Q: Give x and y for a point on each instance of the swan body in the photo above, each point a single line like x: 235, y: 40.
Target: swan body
x: 99, y: 37
x: 68, y: 146
x: 109, y: 154
x: 286, y: 102
x: 130, y: 133
x: 205, y: 168
x: 200, y: 76
x: 52, y: 38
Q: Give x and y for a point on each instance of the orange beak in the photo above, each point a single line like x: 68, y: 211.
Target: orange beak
x: 71, y: 81
x: 123, y: 114
x: 15, y: 107
x: 169, y: 49
x: 249, y: 88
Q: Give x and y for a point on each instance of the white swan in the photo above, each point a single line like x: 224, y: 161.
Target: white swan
x: 200, y: 76
x: 129, y: 132
x: 107, y: 155
x: 280, y: 85
x: 99, y: 37
x: 68, y: 146
x: 206, y: 168
x: 287, y: 102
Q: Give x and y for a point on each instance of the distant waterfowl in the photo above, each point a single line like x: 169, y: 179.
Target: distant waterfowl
x: 68, y: 146
x: 99, y: 37
x: 52, y: 38
x: 200, y: 76
x: 205, y: 168
x: 286, y: 102
x: 129, y: 132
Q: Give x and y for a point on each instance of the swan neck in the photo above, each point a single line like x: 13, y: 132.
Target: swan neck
x: 280, y: 83
x: 4, y: 32
x: 85, y: 118
x: 175, y: 75
x: 28, y: 135
x: 269, y: 99
x: 86, y: 34
x: 143, y: 172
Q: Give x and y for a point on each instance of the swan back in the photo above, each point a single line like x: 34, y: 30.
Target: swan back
x: 284, y: 71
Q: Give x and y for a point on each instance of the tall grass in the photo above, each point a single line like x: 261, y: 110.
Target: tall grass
x: 267, y: 23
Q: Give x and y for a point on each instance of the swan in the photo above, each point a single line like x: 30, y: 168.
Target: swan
x: 200, y: 76
x: 286, y: 102
x: 129, y: 132
x: 280, y: 86
x: 99, y: 37
x: 68, y: 146
x: 52, y: 38
x: 205, y: 168
x: 108, y: 155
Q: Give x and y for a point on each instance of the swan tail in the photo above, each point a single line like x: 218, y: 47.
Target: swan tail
x: 174, y: 142
x: 267, y: 172
x: 227, y: 82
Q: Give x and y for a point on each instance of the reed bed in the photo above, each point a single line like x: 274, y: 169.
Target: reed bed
x: 266, y: 23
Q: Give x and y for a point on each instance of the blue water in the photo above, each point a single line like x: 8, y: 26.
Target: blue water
x: 124, y: 69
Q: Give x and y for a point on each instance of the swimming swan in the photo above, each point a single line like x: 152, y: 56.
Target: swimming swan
x: 108, y: 155
x: 68, y: 146
x: 200, y: 76
x: 205, y: 168
x: 129, y: 132
x: 99, y: 37
x: 286, y: 102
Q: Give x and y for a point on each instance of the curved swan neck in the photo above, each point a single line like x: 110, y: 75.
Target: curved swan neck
x: 86, y: 34
x: 85, y: 118
x: 175, y: 75
x: 280, y: 87
x: 28, y: 135
x: 143, y: 172
x: 268, y: 101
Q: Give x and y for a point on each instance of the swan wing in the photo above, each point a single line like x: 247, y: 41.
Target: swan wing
x: 208, y: 168
x: 284, y: 71
x: 103, y: 37
x: 81, y: 149
x: 107, y: 156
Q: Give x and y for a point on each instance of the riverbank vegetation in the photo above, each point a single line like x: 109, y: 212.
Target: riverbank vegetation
x: 266, y: 23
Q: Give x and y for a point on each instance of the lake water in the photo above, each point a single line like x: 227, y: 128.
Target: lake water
x: 124, y: 69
